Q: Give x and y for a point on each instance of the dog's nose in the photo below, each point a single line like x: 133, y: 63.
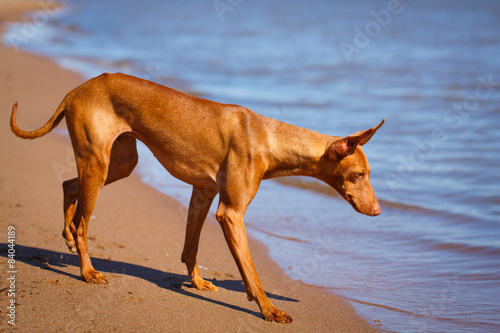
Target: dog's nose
x: 377, y: 210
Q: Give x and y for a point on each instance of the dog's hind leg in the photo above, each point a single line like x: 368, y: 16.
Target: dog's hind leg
x: 123, y: 160
x: 92, y: 170
x: 199, y: 206
x: 70, y: 191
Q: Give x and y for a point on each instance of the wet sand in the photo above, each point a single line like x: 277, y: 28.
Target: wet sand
x: 135, y: 238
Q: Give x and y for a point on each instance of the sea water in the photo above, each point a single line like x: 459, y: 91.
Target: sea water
x: 431, y: 261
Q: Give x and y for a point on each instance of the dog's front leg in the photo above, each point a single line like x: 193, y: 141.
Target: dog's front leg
x: 200, y: 203
x: 231, y: 221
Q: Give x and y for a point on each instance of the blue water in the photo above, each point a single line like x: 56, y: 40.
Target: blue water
x: 431, y: 261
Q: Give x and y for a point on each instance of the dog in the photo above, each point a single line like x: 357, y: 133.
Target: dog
x: 217, y: 148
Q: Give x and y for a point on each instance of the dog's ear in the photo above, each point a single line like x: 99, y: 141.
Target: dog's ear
x: 373, y: 130
x: 347, y: 146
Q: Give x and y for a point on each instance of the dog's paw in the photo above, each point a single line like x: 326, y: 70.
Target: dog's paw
x: 71, y: 246
x: 94, y: 277
x: 209, y: 286
x: 277, y: 316
x: 203, y: 285
x: 70, y: 241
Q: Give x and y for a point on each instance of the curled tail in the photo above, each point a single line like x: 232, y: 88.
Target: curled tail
x: 49, y: 126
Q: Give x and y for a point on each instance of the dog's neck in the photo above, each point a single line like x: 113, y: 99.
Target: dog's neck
x: 295, y: 151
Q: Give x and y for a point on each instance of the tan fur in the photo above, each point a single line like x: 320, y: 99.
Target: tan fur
x: 218, y: 148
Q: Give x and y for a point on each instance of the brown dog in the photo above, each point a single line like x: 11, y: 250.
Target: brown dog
x: 218, y: 148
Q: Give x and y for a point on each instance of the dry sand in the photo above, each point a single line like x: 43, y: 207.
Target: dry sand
x: 136, y: 238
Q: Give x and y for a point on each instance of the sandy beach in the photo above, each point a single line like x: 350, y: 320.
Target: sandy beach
x: 135, y: 238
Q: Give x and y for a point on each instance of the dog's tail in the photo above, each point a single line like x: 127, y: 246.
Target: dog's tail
x: 49, y: 126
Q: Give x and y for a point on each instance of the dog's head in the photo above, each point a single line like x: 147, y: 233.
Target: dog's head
x: 346, y: 169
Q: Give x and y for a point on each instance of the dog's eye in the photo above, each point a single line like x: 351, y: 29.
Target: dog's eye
x: 354, y: 176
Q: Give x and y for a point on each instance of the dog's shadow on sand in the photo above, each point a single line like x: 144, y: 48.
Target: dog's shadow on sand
x: 51, y: 260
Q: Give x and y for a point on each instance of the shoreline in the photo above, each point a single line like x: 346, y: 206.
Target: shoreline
x: 140, y: 255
